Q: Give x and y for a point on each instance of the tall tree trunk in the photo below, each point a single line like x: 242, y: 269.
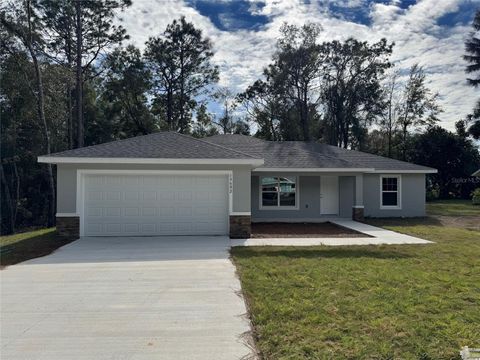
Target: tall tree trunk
x: 389, y: 146
x: 404, y: 147
x: 169, y: 110
x: 41, y: 114
x: 8, y: 200
x: 79, y: 76
x: 69, y: 93
x: 17, y: 193
x: 389, y: 129
x: 69, y: 115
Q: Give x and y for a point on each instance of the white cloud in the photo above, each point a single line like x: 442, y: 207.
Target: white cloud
x: 243, y: 54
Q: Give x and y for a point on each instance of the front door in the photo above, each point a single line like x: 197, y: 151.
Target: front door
x: 329, y: 195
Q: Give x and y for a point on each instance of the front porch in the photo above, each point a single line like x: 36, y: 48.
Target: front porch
x: 306, y: 197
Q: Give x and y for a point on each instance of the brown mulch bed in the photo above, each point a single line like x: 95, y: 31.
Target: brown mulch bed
x: 285, y: 230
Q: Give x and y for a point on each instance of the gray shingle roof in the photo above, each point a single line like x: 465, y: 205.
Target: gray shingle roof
x: 164, y: 145
x: 284, y: 154
x: 300, y: 154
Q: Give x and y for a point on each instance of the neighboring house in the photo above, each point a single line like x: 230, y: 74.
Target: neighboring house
x: 476, y: 173
x: 172, y: 184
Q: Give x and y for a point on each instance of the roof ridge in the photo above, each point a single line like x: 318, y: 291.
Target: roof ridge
x: 370, y: 154
x: 319, y: 153
x: 217, y: 145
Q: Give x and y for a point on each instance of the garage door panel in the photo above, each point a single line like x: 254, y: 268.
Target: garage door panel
x: 155, y: 205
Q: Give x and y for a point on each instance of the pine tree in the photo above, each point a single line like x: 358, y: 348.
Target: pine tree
x: 472, y: 56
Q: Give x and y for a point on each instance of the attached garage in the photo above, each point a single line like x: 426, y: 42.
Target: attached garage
x: 154, y: 203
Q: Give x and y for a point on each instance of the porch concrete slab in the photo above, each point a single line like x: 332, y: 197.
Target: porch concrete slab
x: 379, y: 237
x: 125, y: 298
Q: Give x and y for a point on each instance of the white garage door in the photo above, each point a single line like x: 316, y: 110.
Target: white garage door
x: 132, y: 205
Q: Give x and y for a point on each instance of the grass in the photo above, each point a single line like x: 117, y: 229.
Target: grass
x: 453, y: 208
x: 374, y: 302
x: 28, y: 245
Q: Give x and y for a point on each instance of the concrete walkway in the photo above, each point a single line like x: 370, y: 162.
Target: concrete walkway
x: 125, y: 298
x: 379, y: 236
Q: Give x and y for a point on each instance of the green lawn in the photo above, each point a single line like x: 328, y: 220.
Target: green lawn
x: 376, y: 302
x: 28, y: 245
x: 453, y: 208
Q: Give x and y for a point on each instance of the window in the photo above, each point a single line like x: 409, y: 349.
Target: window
x: 278, y: 192
x: 390, y: 192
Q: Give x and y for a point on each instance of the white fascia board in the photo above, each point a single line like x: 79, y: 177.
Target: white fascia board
x: 476, y: 173
x: 340, y: 170
x: 426, y: 171
x: 105, y: 160
x: 314, y: 170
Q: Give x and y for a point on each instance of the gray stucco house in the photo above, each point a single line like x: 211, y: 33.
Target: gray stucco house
x: 172, y: 184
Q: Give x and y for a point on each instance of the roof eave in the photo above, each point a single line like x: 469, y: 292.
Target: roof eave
x: 342, y: 170
x: 287, y: 169
x: 165, y: 161
x: 415, y: 171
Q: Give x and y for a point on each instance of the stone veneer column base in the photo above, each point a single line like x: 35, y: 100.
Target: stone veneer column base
x: 357, y: 214
x: 68, y: 226
x: 240, y: 226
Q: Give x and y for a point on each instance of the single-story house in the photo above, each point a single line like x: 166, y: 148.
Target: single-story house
x: 172, y: 184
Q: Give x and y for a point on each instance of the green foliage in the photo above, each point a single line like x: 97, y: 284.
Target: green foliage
x: 472, y: 57
x: 476, y: 196
x: 203, y: 125
x: 454, y: 156
x: 432, y: 193
x: 352, y: 93
x: 126, y: 82
x: 181, y: 68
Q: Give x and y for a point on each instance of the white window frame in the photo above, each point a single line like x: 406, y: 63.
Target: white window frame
x: 399, y: 192
x: 278, y: 207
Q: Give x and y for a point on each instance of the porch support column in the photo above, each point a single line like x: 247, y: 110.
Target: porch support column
x: 358, y: 208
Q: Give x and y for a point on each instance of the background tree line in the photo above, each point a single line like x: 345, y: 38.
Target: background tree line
x: 68, y: 79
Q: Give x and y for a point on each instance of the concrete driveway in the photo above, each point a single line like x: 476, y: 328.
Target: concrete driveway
x: 125, y: 298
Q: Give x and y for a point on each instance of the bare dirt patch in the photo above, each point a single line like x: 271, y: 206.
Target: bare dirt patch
x: 280, y: 230
x: 466, y: 222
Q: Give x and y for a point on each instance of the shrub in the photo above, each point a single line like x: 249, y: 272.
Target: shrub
x: 476, y: 196
x: 432, y: 194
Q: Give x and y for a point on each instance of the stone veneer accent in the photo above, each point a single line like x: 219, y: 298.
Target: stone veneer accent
x: 68, y: 226
x: 240, y: 226
x: 357, y: 214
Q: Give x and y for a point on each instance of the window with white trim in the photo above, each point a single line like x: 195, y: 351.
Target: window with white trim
x: 390, y: 191
x: 278, y: 192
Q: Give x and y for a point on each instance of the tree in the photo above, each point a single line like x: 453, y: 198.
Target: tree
x: 389, y: 119
x: 352, y: 93
x: 295, y: 73
x: 180, y: 62
x: 418, y: 106
x: 78, y: 33
x: 454, y: 156
x: 21, y: 22
x: 472, y: 56
x: 262, y: 105
x: 203, y: 125
x: 126, y: 81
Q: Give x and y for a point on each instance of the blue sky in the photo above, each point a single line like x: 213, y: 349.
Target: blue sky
x: 428, y: 32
